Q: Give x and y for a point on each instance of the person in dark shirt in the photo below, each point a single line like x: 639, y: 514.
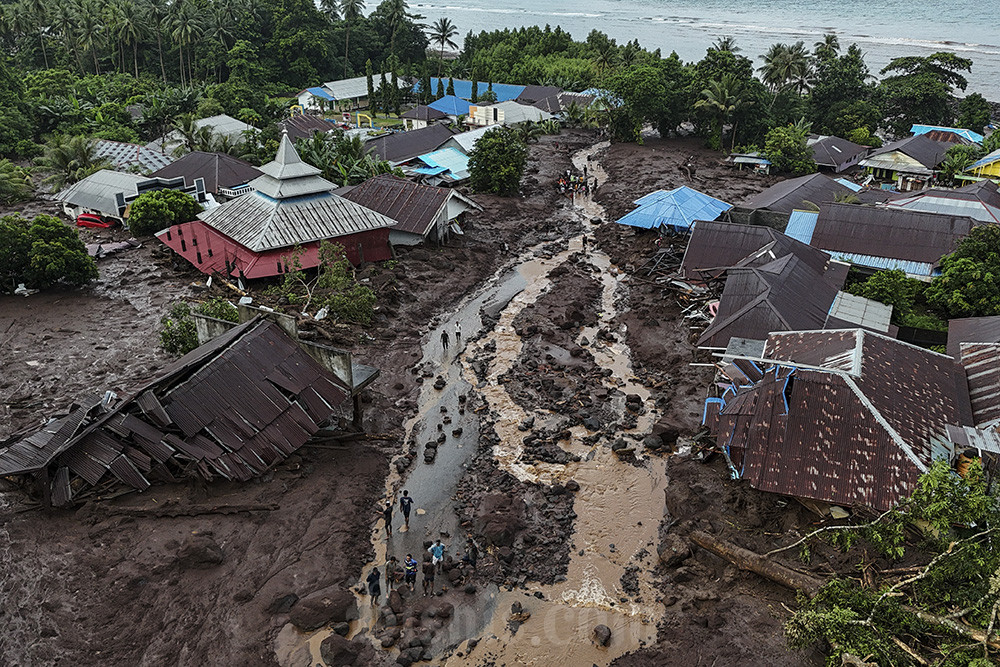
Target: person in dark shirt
x: 387, y: 515
x: 374, y: 585
x: 391, y: 565
x: 404, y: 504
x: 428, y: 569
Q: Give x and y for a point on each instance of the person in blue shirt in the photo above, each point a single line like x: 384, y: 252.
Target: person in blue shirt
x: 437, y: 554
x: 410, y: 571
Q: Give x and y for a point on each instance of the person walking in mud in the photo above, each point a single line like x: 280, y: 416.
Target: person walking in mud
x: 410, y: 571
x: 437, y: 554
x: 374, y: 585
x: 458, y: 333
x: 387, y: 515
x: 405, y: 503
x: 391, y: 565
x: 428, y: 569
x: 444, y: 340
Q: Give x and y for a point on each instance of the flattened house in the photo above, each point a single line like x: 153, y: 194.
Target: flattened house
x: 847, y: 417
x: 230, y: 409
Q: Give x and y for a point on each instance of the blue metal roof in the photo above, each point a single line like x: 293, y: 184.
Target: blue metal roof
x: 447, y: 159
x: 320, y: 92
x: 677, y: 208
x: 989, y: 159
x: 463, y: 88
x: 801, y: 225
x: 974, y: 137
x: 850, y: 185
x: 451, y: 105
x: 885, y: 263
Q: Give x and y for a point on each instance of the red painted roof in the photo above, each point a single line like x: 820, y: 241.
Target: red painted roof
x: 214, y: 253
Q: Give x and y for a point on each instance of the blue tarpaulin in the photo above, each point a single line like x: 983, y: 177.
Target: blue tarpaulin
x: 451, y: 105
x: 450, y: 160
x: 463, y: 89
x: 677, y: 209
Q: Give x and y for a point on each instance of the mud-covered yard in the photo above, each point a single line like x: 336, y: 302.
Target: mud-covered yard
x: 209, y: 574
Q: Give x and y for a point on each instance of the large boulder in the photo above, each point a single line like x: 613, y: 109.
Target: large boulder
x: 673, y: 550
x: 602, y: 635
x: 338, y: 651
x: 199, y: 551
x: 499, y: 518
x: 325, y: 607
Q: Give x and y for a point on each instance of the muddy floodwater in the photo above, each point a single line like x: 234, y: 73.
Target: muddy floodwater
x: 618, y: 506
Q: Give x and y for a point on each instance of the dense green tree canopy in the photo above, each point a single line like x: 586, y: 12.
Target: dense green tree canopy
x: 496, y: 164
x: 969, y: 284
x: 41, y: 253
x: 153, y: 211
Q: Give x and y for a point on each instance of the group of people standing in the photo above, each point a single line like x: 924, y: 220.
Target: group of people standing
x: 405, y: 573
x: 570, y: 182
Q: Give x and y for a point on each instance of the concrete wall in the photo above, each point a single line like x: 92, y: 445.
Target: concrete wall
x: 760, y: 217
x: 336, y: 361
x: 209, y: 327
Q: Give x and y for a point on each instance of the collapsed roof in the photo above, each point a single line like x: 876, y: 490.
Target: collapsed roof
x: 230, y: 409
x: 846, y: 417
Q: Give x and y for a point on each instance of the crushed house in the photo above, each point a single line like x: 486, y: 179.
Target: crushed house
x: 847, y: 417
x: 979, y: 200
x: 773, y: 206
x: 230, y: 409
x: 283, y: 222
x: 421, y: 212
x: 772, y: 282
x: 835, y: 153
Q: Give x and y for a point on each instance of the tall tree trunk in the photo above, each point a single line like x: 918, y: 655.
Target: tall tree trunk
x: 180, y: 55
x: 347, y: 49
x: 97, y: 68
x: 41, y: 40
x: 441, y: 61
x: 135, y: 58
x: 159, y: 48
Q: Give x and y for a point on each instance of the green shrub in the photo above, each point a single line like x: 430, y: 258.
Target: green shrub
x: 497, y: 162
x: 179, y: 335
x: 154, y: 211
x: 41, y: 253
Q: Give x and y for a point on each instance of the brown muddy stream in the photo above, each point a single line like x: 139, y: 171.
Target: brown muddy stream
x: 619, y: 505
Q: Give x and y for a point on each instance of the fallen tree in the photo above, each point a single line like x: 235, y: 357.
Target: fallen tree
x: 943, y: 612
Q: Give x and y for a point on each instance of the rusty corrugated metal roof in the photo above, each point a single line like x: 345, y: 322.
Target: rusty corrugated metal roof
x: 895, y: 233
x: 231, y: 408
x: 413, y: 206
x: 982, y: 371
x: 857, y: 434
x: 971, y: 330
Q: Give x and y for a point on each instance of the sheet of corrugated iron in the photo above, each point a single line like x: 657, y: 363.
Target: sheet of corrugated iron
x: 982, y: 370
x: 125, y: 470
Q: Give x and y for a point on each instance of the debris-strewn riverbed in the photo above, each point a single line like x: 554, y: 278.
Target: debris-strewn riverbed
x: 553, y: 434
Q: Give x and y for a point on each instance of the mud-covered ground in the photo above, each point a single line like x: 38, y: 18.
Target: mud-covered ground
x: 118, y: 583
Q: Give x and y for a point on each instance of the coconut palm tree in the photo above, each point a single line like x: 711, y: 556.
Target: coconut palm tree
x: 186, y: 27
x: 69, y: 159
x: 442, y: 33
x: 397, y: 11
x: 157, y: 12
x: 64, y: 19
x: 725, y: 43
x: 351, y: 9
x: 330, y: 9
x: 130, y: 26
x: 39, y: 12
x: 828, y: 46
x: 90, y: 30
x: 722, y: 99
x: 785, y: 65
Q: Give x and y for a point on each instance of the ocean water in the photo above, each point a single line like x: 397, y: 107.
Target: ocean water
x: 884, y: 30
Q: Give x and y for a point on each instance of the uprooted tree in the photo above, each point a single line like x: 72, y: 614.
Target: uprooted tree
x: 942, y: 611
x: 333, y: 287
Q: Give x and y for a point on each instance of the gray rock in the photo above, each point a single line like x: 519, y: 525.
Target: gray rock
x: 673, y: 550
x: 330, y: 605
x: 602, y: 635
